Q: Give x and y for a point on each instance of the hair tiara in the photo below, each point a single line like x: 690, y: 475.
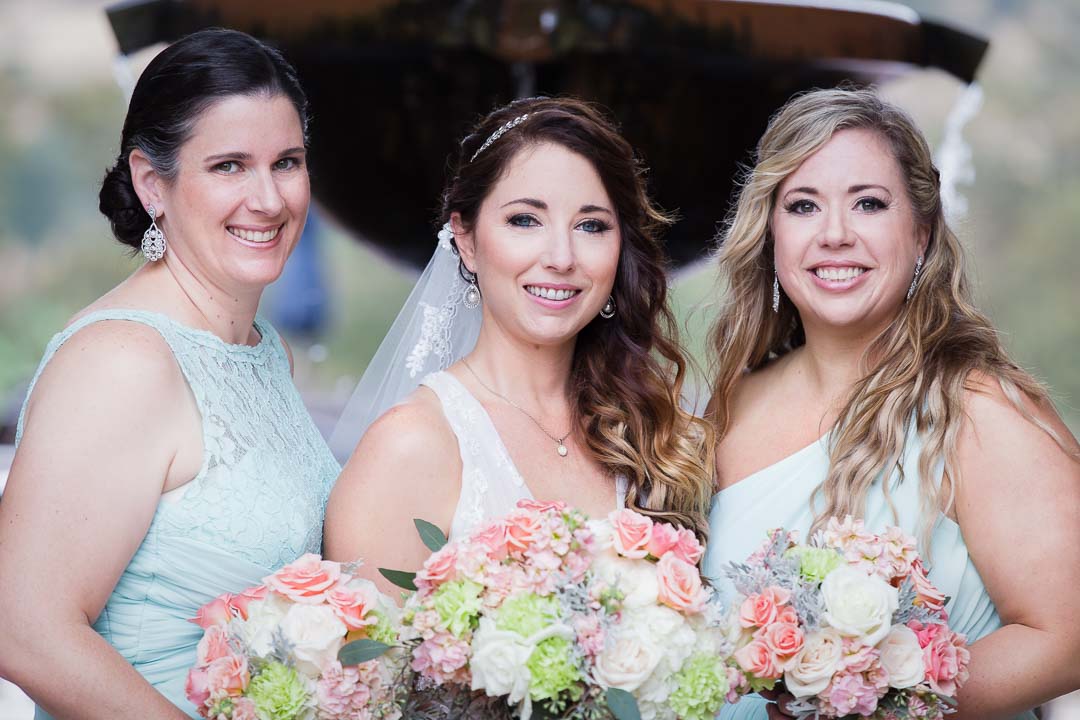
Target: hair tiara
x: 499, y: 133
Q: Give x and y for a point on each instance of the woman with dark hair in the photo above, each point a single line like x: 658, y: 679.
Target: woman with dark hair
x: 556, y: 370
x: 856, y: 377
x: 164, y: 454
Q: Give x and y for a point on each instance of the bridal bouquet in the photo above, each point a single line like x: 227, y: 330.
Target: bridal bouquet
x: 554, y: 614
x: 849, y: 623
x: 271, y: 652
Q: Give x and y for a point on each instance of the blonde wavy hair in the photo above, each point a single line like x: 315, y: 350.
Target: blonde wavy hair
x: 628, y: 371
x: 916, y: 368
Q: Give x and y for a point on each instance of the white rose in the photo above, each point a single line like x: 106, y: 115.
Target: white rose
x: 627, y: 661
x: 315, y: 635
x: 902, y: 657
x: 498, y: 662
x: 264, y: 616
x: 603, y: 535
x: 812, y: 667
x: 859, y: 605
x: 636, y: 579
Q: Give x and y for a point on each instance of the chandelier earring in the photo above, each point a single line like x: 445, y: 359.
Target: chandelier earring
x: 471, y: 297
x: 775, y: 292
x: 915, y: 280
x: 153, y: 240
x: 608, y: 311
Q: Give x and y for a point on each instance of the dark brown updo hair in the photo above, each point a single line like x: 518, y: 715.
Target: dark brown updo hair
x: 627, y: 372
x: 178, y: 85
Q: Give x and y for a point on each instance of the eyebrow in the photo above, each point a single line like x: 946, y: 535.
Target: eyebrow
x: 247, y: 156
x: 806, y: 190
x: 541, y: 205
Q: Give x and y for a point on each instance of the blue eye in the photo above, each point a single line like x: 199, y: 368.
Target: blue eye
x: 801, y: 207
x: 523, y: 220
x: 594, y: 226
x: 870, y: 204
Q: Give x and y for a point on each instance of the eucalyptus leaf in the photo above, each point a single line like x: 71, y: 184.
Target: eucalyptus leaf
x: 404, y: 580
x: 360, y: 651
x: 431, y: 535
x: 622, y: 704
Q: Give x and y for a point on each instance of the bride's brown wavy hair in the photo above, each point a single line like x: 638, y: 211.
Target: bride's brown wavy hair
x: 628, y: 372
x: 916, y: 368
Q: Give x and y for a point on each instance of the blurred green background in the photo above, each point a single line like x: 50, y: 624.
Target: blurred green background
x: 62, y: 110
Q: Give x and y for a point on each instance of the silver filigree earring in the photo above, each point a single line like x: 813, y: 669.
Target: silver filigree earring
x: 471, y: 297
x: 775, y: 292
x: 153, y: 240
x: 915, y: 280
x: 608, y: 311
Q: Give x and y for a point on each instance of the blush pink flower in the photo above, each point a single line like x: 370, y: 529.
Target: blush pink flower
x: 849, y: 693
x: 926, y: 633
x: 197, y: 688
x: 688, y: 548
x: 344, y: 693
x: 523, y: 528
x: 787, y: 614
x: 494, y: 538
x: 442, y: 658
x: 664, y: 537
x: 679, y: 585
x: 783, y: 640
x: 590, y: 634
x: 631, y: 533
x: 762, y: 609
x: 215, y: 612
x: 353, y: 605
x: 306, y: 579
x: 946, y: 659
x: 239, y: 603
x: 438, y: 568
x: 244, y: 709
x: 757, y: 660
x: 227, y: 676
x: 213, y: 645
x: 925, y: 593
x: 541, y: 507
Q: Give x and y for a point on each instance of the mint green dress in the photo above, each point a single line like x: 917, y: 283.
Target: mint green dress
x: 256, y: 504
x: 779, y: 496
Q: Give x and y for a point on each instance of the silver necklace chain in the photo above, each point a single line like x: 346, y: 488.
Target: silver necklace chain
x: 560, y: 442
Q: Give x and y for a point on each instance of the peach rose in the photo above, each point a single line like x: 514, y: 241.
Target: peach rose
x: 632, y: 532
x: 784, y: 640
x: 787, y: 614
x: 227, y: 676
x: 757, y: 660
x: 537, y: 506
x: 925, y: 593
x: 688, y: 548
x: 438, y: 568
x: 664, y: 537
x: 213, y: 645
x: 353, y: 605
x: 946, y: 659
x: 239, y: 603
x: 196, y: 688
x: 679, y: 585
x: 215, y: 612
x: 494, y: 538
x: 522, y: 527
x: 306, y: 579
x: 762, y: 609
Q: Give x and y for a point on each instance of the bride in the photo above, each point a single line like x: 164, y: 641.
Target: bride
x: 557, y: 372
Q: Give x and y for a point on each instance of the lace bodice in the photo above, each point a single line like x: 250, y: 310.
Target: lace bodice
x: 257, y: 502
x: 490, y: 482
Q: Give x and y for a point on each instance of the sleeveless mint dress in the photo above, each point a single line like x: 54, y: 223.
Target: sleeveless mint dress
x: 256, y: 504
x: 779, y: 496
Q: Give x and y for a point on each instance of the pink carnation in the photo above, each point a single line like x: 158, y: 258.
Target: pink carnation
x: 244, y: 709
x: 306, y: 579
x: 227, y: 676
x: 213, y: 645
x: 849, y: 693
x: 197, y: 688
x: 442, y: 658
x: 344, y: 693
x: 438, y: 568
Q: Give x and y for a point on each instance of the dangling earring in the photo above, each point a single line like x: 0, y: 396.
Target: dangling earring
x: 608, y: 311
x: 775, y: 292
x: 153, y: 240
x: 471, y: 297
x: 915, y: 280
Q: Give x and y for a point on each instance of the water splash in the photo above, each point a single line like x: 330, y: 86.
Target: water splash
x: 953, y: 157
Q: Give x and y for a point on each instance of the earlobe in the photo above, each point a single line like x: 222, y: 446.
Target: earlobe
x: 464, y: 241
x: 145, y: 180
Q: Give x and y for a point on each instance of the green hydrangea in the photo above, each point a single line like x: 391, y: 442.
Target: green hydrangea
x: 458, y: 605
x: 278, y: 692
x: 554, y: 672
x: 816, y: 563
x: 527, y: 614
x: 383, y: 631
x: 700, y: 687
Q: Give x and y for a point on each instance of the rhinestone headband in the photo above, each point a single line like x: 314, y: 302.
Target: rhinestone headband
x: 499, y: 133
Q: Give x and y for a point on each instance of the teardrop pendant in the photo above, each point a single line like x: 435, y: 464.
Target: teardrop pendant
x: 562, y: 450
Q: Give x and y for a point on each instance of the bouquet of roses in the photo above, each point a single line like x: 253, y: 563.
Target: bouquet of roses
x: 849, y: 624
x: 272, y: 651
x: 554, y: 614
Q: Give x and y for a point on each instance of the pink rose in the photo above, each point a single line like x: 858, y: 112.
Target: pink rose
x: 227, y: 676
x: 783, y: 640
x: 757, y: 660
x: 494, y: 538
x: 306, y: 579
x: 523, y: 527
x: 925, y: 593
x: 925, y: 633
x: 541, y: 507
x: 239, y: 603
x: 762, y: 609
x: 631, y: 533
x: 688, y: 548
x: 438, y: 568
x: 353, y: 606
x: 215, y: 612
x: 679, y: 585
x: 664, y: 537
x: 946, y: 659
x: 196, y: 688
x: 787, y: 614
x: 213, y: 645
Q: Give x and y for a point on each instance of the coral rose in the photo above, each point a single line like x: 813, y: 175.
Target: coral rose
x: 305, y: 580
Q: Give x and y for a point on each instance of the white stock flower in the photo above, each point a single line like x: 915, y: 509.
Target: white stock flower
x: 315, y: 634
x: 498, y: 662
x: 812, y: 667
x: 636, y: 579
x: 264, y: 616
x: 859, y: 605
x: 902, y: 657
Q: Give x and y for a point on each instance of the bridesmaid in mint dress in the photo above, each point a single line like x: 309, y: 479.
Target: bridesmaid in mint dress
x: 856, y: 377
x: 164, y: 454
